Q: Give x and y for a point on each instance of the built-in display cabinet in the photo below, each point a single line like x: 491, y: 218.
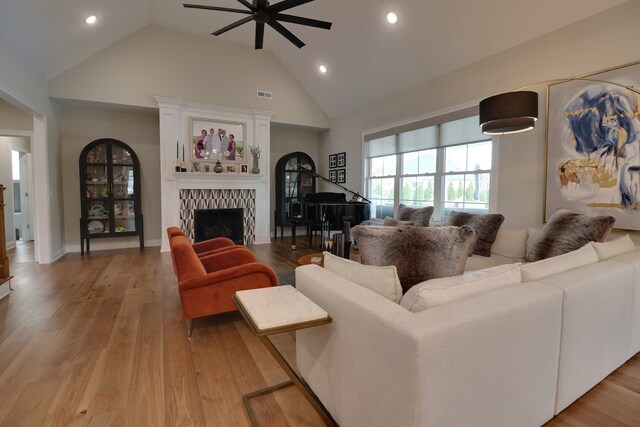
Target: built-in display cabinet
x: 111, y: 200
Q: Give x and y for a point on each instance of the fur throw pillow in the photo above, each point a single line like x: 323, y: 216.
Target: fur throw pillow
x: 392, y: 222
x: 567, y: 231
x: 486, y: 226
x: 419, y: 253
x: 419, y: 216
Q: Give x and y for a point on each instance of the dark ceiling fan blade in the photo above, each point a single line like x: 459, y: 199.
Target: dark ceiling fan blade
x: 223, y: 9
x: 246, y: 4
x: 232, y: 26
x: 259, y: 35
x: 286, y: 33
x: 302, y: 21
x: 286, y: 4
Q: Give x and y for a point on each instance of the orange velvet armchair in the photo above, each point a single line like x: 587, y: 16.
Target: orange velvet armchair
x: 206, y: 284
x: 204, y: 248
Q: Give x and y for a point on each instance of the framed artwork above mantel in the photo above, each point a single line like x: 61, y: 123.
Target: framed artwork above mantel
x: 217, y: 140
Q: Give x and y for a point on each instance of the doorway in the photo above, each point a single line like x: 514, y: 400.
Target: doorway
x: 21, y: 173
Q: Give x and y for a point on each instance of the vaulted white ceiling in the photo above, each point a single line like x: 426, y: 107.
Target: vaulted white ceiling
x: 367, y: 58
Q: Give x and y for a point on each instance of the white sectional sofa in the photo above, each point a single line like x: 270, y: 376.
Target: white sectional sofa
x: 512, y: 356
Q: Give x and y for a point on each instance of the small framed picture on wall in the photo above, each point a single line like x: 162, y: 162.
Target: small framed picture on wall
x: 342, y: 160
x: 342, y: 176
x: 332, y: 160
x: 332, y: 176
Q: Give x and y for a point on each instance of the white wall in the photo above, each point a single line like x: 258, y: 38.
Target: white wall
x: 140, y: 130
x: 21, y: 84
x: 605, y: 40
x: 157, y: 61
x: 285, y: 141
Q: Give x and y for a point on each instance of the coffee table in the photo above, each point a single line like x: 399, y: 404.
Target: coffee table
x: 317, y: 258
x: 274, y: 310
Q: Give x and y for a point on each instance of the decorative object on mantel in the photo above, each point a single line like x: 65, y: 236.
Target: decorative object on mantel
x: 217, y: 168
x: 255, y: 153
x: 244, y: 169
x: 264, y: 13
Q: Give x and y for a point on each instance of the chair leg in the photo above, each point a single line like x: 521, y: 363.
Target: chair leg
x: 191, y: 327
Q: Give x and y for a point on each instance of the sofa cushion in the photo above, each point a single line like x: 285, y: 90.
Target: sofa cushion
x: 381, y: 280
x: 392, y: 222
x: 419, y: 216
x: 419, y: 253
x: 511, y: 243
x: 486, y: 226
x: 567, y: 231
x: 615, y: 247
x: 547, y: 267
x: 478, y: 262
x: 440, y: 291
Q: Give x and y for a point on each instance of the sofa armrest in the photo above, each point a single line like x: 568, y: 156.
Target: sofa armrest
x: 491, y: 359
x: 211, y: 244
x: 227, y: 259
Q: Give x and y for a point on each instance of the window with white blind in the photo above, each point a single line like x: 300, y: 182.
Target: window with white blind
x: 446, y: 165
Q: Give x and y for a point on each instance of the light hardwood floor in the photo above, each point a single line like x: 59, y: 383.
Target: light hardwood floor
x: 100, y: 340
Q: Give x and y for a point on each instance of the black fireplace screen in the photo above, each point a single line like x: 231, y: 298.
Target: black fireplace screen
x: 210, y: 223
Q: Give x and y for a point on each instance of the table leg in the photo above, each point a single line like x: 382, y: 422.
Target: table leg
x: 293, y: 235
x: 295, y: 380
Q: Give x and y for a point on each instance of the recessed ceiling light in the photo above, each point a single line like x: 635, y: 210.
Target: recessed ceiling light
x: 91, y: 19
x: 322, y: 69
x: 392, y: 18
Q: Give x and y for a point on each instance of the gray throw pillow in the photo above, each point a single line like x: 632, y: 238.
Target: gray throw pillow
x: 419, y: 216
x: 567, y: 231
x: 486, y: 226
x: 419, y: 253
x: 392, y: 222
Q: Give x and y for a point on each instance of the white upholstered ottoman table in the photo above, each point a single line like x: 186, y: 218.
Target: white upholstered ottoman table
x: 274, y: 310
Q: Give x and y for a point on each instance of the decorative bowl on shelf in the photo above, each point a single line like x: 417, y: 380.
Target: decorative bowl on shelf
x: 95, y: 227
x: 97, y: 210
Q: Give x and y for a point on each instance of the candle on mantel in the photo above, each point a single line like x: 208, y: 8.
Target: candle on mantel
x: 178, y: 156
x: 184, y: 165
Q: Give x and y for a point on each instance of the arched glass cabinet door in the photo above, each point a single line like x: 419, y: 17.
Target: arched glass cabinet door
x: 292, y: 185
x: 110, y: 192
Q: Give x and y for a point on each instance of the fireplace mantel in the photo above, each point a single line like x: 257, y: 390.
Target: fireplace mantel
x: 175, y: 118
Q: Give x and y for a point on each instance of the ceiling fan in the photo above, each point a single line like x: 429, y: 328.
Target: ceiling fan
x: 264, y: 13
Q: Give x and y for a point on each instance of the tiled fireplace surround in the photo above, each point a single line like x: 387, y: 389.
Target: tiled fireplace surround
x: 181, y: 193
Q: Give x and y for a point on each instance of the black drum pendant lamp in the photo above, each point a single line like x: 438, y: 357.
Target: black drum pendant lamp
x: 510, y: 112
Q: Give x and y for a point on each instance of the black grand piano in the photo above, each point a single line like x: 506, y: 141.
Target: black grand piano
x: 326, y: 211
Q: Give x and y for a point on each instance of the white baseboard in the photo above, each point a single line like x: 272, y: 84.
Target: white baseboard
x: 104, y: 245
x: 11, y: 244
x: 4, y: 290
x: 58, y: 254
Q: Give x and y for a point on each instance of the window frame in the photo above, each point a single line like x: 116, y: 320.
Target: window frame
x: 439, y: 176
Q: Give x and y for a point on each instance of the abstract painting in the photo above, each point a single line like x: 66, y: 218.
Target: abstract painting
x: 593, y: 145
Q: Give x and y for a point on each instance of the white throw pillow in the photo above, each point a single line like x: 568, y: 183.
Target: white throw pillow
x: 557, y: 264
x: 434, y: 292
x: 619, y: 246
x: 511, y: 243
x: 381, y: 280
